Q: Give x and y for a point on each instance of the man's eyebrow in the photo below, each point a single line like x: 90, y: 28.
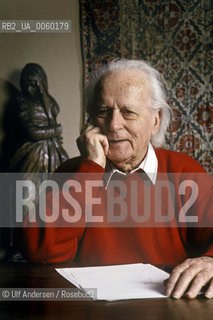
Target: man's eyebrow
x: 123, y: 107
x: 128, y: 106
x: 103, y: 105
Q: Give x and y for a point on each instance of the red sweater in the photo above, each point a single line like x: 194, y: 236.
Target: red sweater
x: 112, y: 245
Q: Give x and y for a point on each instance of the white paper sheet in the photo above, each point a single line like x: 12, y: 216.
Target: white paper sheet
x: 119, y: 282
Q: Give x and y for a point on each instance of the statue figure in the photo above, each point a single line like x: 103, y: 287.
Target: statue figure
x: 40, y: 147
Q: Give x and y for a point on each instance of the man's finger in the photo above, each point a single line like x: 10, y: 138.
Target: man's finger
x: 201, y: 279
x: 209, y: 291
x: 175, y: 275
x: 194, y: 276
x: 86, y: 127
x: 105, y: 144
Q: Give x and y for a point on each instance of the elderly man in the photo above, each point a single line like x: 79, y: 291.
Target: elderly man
x: 128, y: 116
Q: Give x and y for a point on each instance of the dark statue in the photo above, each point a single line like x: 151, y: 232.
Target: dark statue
x: 40, y: 147
x: 33, y: 146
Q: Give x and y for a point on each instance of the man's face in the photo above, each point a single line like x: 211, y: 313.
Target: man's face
x: 124, y: 116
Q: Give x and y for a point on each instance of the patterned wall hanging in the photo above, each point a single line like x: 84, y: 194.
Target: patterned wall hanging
x: 176, y: 38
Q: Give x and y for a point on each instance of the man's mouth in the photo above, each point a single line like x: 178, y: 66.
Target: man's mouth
x: 117, y: 141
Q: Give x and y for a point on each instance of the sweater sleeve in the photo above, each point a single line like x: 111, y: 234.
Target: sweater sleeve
x: 58, y: 241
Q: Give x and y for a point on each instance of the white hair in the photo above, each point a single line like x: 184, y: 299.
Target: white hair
x: 157, y: 99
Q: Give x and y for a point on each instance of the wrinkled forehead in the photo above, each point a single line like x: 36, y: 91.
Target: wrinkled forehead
x: 128, y: 81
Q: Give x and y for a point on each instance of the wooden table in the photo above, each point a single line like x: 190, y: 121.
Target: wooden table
x: 25, y: 275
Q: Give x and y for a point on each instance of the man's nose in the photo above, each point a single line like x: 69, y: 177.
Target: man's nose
x: 116, y: 121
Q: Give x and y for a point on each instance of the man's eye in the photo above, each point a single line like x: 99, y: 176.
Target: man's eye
x: 102, y: 112
x: 128, y: 114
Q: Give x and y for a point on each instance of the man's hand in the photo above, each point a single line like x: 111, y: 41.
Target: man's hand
x: 93, y: 145
x: 189, y: 277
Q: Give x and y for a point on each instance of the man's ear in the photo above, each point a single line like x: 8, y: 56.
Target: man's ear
x: 156, y: 124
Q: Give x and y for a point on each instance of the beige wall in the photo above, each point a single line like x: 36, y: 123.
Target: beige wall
x: 58, y: 54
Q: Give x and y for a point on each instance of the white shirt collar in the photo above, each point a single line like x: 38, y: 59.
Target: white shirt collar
x: 149, y: 165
